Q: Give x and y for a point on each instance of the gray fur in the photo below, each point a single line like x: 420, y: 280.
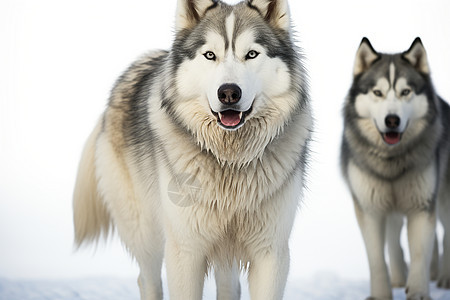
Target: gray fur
x: 386, y: 162
x: 246, y: 182
x: 389, y: 171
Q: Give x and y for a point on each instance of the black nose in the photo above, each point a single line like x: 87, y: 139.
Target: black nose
x: 229, y: 93
x: 392, y: 121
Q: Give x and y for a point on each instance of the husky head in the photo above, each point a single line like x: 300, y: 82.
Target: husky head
x: 391, y: 99
x: 235, y: 75
x: 233, y: 64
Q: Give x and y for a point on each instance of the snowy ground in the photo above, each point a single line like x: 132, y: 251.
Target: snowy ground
x: 59, y: 60
x: 321, y: 287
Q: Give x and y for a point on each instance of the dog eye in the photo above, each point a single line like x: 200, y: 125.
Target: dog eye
x: 209, y: 55
x: 405, y: 92
x: 252, y: 54
x: 377, y: 93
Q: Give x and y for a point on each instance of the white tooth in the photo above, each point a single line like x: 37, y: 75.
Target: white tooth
x: 240, y: 115
x: 220, y: 116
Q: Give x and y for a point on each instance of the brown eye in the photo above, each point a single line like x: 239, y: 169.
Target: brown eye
x: 377, y: 93
x: 405, y: 92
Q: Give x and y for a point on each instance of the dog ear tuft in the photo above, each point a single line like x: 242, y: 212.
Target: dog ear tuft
x: 417, y: 56
x: 365, y: 57
x: 276, y: 12
x: 189, y: 12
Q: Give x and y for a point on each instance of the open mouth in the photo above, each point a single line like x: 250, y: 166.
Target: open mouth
x: 231, y: 119
x: 392, y: 138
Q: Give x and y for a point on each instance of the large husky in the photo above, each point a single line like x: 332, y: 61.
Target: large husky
x: 394, y: 157
x: 200, y: 154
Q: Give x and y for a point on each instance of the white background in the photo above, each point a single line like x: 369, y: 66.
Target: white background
x: 58, y: 62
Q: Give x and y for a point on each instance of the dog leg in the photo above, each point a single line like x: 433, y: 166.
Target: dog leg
x: 146, y: 243
x: 268, y: 274
x: 373, y: 230
x: 434, y: 267
x: 396, y: 259
x: 149, y: 281
x: 444, y: 216
x: 149, y: 253
x: 227, y: 282
x: 421, y: 232
x: 186, y: 270
x: 141, y: 233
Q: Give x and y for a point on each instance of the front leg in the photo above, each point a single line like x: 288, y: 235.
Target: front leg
x: 397, y: 263
x: 268, y: 273
x: 421, y: 232
x: 372, y: 227
x: 186, y: 270
x: 444, y: 216
x: 227, y: 282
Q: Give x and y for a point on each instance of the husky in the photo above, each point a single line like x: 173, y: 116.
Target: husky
x: 394, y: 157
x: 200, y: 155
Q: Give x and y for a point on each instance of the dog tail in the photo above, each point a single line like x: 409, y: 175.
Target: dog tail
x: 90, y: 217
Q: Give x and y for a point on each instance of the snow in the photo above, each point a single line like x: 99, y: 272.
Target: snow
x: 321, y: 287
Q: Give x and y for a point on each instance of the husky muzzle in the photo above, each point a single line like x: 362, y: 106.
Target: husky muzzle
x: 230, y: 117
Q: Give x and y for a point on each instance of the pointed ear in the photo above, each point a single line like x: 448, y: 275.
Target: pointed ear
x: 365, y: 56
x: 189, y: 12
x: 417, y: 57
x: 276, y: 12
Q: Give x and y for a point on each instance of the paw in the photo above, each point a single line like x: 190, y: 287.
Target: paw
x: 418, y: 296
x: 444, y: 282
x: 398, y: 279
x: 399, y: 273
x: 398, y: 282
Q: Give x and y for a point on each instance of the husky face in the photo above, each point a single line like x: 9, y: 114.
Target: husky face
x: 390, y: 93
x: 231, y: 59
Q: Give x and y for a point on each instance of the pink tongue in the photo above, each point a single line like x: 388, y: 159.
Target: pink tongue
x: 392, y: 138
x: 230, y: 118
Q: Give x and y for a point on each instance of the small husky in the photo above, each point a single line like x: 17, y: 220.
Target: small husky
x: 394, y: 157
x: 199, y: 157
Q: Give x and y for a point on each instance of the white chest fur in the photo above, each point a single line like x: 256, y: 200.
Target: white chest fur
x: 412, y: 191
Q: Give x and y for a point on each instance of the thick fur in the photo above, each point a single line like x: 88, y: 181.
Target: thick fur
x: 176, y: 182
x: 396, y: 170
